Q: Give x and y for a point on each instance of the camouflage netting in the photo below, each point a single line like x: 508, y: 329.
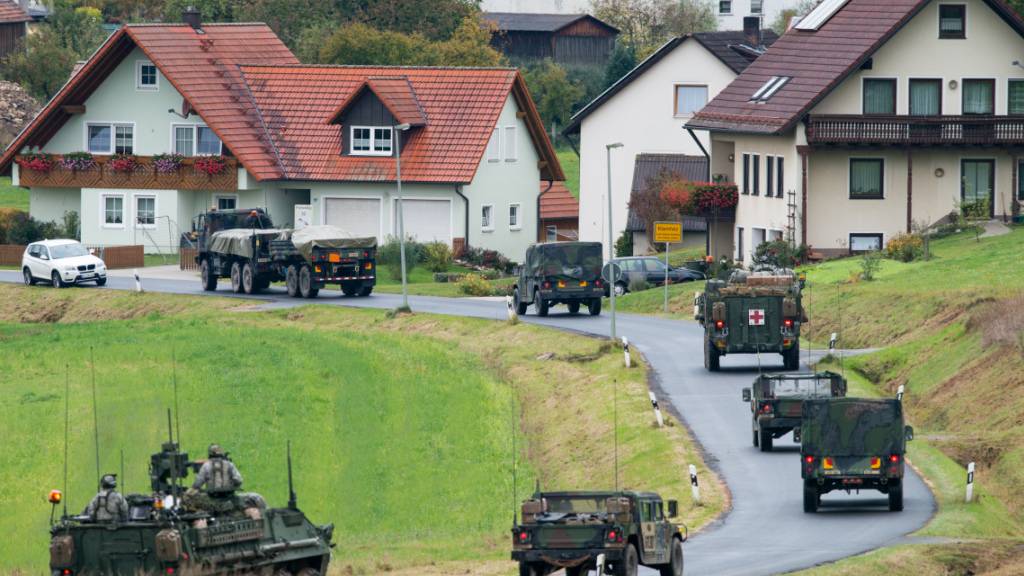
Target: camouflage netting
x: 237, y: 241
x: 578, y: 260
x: 305, y: 239
x: 853, y: 427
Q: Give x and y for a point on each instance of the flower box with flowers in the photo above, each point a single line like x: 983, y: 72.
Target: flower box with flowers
x: 123, y: 164
x: 210, y: 165
x: 36, y: 162
x: 78, y: 161
x: 167, y: 163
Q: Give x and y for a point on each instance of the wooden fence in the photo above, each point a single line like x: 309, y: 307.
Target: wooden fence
x: 187, y: 259
x: 113, y: 256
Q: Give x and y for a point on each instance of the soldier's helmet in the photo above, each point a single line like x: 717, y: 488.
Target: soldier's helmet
x: 109, y: 481
x: 215, y: 451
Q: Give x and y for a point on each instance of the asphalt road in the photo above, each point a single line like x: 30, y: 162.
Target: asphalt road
x: 766, y: 531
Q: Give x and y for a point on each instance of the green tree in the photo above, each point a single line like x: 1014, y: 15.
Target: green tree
x: 646, y: 24
x: 554, y: 94
x: 287, y: 18
x: 210, y: 10
x: 359, y: 43
x: 435, y: 19
x: 469, y: 45
x: 621, y: 61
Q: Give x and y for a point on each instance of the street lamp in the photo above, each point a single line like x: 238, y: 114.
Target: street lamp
x: 401, y: 215
x: 611, y: 245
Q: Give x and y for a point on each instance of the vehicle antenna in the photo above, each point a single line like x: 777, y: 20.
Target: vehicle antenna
x: 615, y: 423
x: 810, y: 302
x: 124, y: 487
x: 757, y: 350
x: 174, y: 380
x: 291, y: 487
x: 95, y: 417
x: 512, y: 420
x: 174, y: 460
x: 67, y: 421
x: 839, y: 312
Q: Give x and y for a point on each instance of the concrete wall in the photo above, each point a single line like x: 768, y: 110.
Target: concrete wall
x: 641, y: 117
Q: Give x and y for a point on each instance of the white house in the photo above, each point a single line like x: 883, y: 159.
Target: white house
x: 731, y: 13
x: 645, y: 111
x: 256, y: 128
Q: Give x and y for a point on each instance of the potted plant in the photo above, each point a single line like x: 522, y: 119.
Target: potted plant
x: 123, y: 163
x: 167, y: 163
x: 211, y: 165
x: 36, y: 161
x: 77, y: 161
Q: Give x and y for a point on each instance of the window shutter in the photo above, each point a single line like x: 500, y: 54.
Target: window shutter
x: 510, y: 144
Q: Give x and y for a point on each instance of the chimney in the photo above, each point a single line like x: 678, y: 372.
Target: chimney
x: 192, y: 17
x: 752, y: 31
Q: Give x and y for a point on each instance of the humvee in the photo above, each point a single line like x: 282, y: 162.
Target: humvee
x: 853, y: 444
x: 776, y: 402
x: 571, y: 529
x: 751, y: 313
x: 560, y: 273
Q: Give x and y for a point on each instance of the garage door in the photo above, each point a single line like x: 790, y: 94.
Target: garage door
x: 359, y: 216
x: 428, y: 220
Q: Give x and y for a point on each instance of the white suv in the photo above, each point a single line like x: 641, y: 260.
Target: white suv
x: 61, y: 262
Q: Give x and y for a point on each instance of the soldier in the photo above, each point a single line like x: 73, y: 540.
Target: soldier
x: 218, y: 474
x: 108, y: 505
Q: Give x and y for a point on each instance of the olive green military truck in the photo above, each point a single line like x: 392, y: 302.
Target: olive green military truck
x: 161, y: 536
x: 853, y: 444
x: 560, y: 273
x: 751, y: 313
x: 571, y: 530
x: 777, y: 402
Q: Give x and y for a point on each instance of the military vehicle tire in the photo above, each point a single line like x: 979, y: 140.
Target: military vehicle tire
x: 811, y: 499
x: 306, y: 282
x: 675, y: 565
x: 766, y: 440
x: 528, y: 569
x: 291, y: 281
x: 236, y: 278
x: 756, y: 438
x: 540, y: 304
x: 207, y: 277
x: 791, y: 357
x: 711, y: 357
x: 576, y: 571
x: 594, y: 307
x: 349, y: 290
x: 896, y: 499
x: 574, y: 308
x: 249, y: 282
x: 366, y: 291
x: 518, y: 301
x: 630, y: 562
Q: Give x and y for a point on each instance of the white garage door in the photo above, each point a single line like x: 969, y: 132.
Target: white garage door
x: 427, y: 220
x: 359, y: 216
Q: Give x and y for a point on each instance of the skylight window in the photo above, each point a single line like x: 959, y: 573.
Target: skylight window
x: 769, y: 88
x: 821, y: 14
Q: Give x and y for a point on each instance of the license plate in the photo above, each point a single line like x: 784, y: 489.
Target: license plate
x: 88, y: 274
x: 852, y: 481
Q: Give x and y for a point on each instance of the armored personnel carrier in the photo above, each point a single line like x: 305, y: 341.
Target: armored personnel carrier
x: 571, y: 530
x: 162, y: 536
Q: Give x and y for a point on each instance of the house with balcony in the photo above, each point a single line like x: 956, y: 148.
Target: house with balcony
x: 165, y: 121
x: 867, y: 120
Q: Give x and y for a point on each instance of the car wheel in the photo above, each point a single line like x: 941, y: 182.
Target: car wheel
x: 366, y: 291
x: 529, y: 569
x: 518, y: 301
x: 291, y: 281
x: 236, y: 278
x: 675, y: 564
x: 306, y: 282
x: 206, y: 275
x: 757, y: 438
x: 249, y: 282
x: 630, y: 562
x: 574, y: 308
x: 811, y: 499
x: 896, y: 499
x: 540, y: 304
x: 56, y: 281
x: 620, y: 289
x: 712, y: 359
x: 101, y: 281
x: 27, y: 275
x: 594, y: 307
x: 766, y: 440
x: 349, y: 290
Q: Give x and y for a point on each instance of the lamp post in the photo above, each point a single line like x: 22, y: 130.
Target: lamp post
x: 401, y: 213
x: 611, y: 233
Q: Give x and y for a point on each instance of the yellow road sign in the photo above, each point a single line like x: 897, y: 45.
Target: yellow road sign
x: 668, y: 231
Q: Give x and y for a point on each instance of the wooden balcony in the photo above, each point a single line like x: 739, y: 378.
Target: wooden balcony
x: 859, y: 130
x: 145, y: 177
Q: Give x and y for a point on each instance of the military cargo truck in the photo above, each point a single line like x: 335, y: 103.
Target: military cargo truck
x: 163, y: 537
x: 777, y: 400
x: 853, y: 444
x: 571, y: 529
x: 560, y: 273
x: 751, y: 313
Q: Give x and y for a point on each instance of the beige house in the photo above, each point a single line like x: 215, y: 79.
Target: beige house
x: 859, y: 124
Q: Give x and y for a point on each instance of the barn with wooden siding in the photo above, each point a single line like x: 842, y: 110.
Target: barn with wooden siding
x: 570, y: 39
x: 13, y: 26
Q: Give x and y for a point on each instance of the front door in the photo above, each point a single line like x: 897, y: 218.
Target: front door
x: 649, y: 531
x: 977, y: 187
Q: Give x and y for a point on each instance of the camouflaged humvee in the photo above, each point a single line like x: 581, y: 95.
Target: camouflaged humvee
x: 853, y: 444
x: 571, y: 529
x: 777, y: 400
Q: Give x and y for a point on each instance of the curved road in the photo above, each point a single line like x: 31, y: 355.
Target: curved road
x: 766, y: 531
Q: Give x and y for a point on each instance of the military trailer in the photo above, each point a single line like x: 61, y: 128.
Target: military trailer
x: 560, y: 273
x: 162, y: 537
x: 777, y: 401
x: 751, y: 313
x: 571, y: 529
x: 853, y: 444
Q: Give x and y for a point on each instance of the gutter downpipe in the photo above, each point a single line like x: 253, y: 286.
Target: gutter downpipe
x: 551, y: 183
x: 458, y: 190
x: 707, y: 178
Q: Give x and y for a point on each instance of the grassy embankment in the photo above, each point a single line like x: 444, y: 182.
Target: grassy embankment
x: 421, y: 282
x: 12, y: 196
x: 401, y: 427
x: 571, y: 167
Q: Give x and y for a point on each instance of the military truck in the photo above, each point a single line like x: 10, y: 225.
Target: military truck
x: 560, y: 273
x: 571, y: 529
x: 853, y: 444
x: 751, y: 313
x: 161, y: 536
x: 777, y: 401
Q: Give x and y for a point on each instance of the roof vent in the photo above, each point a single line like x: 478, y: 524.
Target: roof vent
x: 193, y: 18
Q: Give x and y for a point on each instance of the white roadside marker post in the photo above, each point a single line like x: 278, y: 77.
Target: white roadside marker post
x: 512, y: 316
x: 657, y: 409
x: 600, y: 564
x: 694, y: 486
x: 625, y: 351
x: 899, y: 393
x: 970, y: 483
x: 832, y: 341
x: 138, y: 280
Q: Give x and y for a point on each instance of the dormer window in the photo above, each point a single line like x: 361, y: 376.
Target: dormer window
x: 371, y: 141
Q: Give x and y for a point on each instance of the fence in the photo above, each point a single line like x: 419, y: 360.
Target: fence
x: 187, y: 259
x: 113, y: 256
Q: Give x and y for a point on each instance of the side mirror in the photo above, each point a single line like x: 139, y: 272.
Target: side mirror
x: 44, y: 257
x: 673, y: 508
x: 92, y: 251
x: 746, y: 394
x: 908, y: 432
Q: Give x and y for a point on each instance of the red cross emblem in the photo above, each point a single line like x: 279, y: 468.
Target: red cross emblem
x: 755, y: 317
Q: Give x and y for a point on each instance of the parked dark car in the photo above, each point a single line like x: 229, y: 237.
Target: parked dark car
x: 653, y: 270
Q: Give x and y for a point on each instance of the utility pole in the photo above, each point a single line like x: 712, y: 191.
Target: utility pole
x: 611, y: 233
x: 399, y: 129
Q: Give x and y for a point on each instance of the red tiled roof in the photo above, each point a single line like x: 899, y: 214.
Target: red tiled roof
x: 462, y: 105
x: 817, y: 61
x: 395, y: 93
x: 558, y: 202
x: 11, y: 13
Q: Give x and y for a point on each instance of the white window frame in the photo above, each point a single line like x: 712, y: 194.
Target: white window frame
x: 218, y: 197
x: 519, y: 216
x: 373, y: 138
x: 195, y: 138
x: 494, y: 146
x: 510, y: 141
x: 487, y: 226
x: 103, y: 210
x: 675, y: 98
x: 135, y: 211
x: 139, y: 87
x: 113, y: 136
x: 729, y: 13
x: 760, y: 11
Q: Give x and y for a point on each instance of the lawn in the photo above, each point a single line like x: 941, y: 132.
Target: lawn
x: 12, y: 196
x: 402, y: 427
x: 571, y: 166
x: 421, y: 282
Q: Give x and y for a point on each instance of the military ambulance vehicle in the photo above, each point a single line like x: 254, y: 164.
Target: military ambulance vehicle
x: 162, y: 537
x: 751, y: 313
x: 560, y: 273
x: 777, y: 402
x: 853, y: 444
x: 571, y: 529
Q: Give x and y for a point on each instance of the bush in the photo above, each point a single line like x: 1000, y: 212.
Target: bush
x: 487, y: 259
x: 17, y: 227
x: 638, y: 282
x: 437, y: 256
x: 624, y: 245
x: 390, y: 257
x: 905, y: 247
x: 474, y: 285
x: 869, y: 263
x: 776, y: 254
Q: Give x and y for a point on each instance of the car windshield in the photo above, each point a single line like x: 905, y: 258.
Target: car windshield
x: 801, y: 387
x: 67, y: 251
x: 576, y: 504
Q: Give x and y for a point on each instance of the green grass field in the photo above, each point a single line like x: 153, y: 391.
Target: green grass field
x: 12, y: 196
x: 571, y: 166
x: 401, y: 427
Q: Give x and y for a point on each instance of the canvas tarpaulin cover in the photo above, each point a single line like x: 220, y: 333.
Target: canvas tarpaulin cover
x: 238, y: 241
x: 576, y: 260
x: 305, y: 239
x: 853, y: 427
